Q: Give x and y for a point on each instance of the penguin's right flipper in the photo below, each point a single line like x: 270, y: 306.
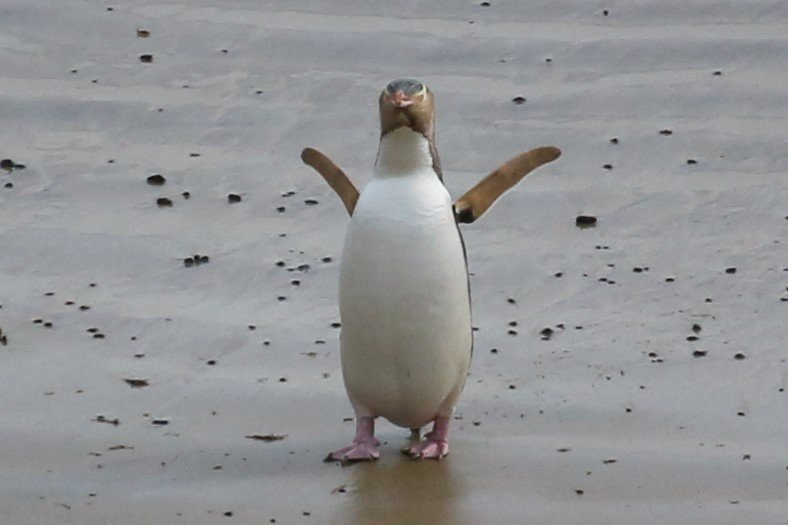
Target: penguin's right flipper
x: 334, y: 176
x: 478, y: 199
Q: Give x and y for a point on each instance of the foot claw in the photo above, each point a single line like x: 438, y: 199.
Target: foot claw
x: 358, y: 451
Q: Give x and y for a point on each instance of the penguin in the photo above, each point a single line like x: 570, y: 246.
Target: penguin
x: 404, y: 296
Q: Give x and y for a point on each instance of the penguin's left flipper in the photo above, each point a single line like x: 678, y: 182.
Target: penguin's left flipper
x: 478, y: 199
x: 334, y: 176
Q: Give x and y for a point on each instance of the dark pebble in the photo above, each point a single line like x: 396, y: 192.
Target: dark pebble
x: 156, y: 180
x: 637, y: 269
x: 92, y: 330
x: 608, y: 166
x: 692, y: 161
x: 252, y: 327
x: 699, y: 353
x: 512, y: 323
x: 295, y: 282
x: 186, y: 194
x: 310, y: 202
x: 614, y: 140
x: 188, y: 262
x: 717, y: 73
x: 326, y: 259
x: 98, y: 336
x: 9, y: 185
x: 160, y: 422
x: 164, y: 202
x: 519, y: 100
x: 512, y: 332
x: 511, y: 300
x: 233, y: 197
x: 146, y: 59
x: 485, y: 4
x: 84, y: 307
x: 546, y: 333
x: 739, y: 356
x: 211, y: 362
x: 692, y: 338
x: 585, y: 221
x: 558, y: 274
x: 336, y: 325
x: 280, y: 209
x: 7, y: 164
x: 280, y: 264
x: 281, y: 298
x: 666, y: 132
x: 48, y: 324
x: 19, y: 166
x: 143, y: 33
x: 194, y: 155
x: 696, y: 328
x: 730, y: 270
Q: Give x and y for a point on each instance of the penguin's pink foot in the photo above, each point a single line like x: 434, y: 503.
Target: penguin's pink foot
x: 364, y: 446
x: 430, y: 448
x: 436, y: 444
x: 355, y: 452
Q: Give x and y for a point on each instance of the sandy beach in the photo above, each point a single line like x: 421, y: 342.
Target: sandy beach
x: 139, y: 385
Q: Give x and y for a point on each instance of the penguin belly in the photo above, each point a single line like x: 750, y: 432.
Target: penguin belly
x: 404, y: 302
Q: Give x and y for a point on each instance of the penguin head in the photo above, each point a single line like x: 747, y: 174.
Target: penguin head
x: 407, y: 102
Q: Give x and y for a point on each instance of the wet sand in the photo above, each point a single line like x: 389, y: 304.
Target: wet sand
x: 131, y: 379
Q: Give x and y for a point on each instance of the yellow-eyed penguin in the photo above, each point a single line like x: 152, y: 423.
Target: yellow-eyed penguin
x: 404, y: 302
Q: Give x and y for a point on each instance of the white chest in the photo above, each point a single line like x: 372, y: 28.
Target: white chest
x: 404, y: 301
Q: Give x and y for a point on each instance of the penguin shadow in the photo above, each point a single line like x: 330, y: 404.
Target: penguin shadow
x: 397, y: 490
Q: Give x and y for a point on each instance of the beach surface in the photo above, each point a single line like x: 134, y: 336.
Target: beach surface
x: 630, y: 372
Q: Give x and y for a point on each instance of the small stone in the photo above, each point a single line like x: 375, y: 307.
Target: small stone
x: 519, y: 100
x: 188, y: 262
x: 666, y: 132
x: 233, y: 197
x: 164, y: 202
x: 692, y: 161
x: 608, y: 166
x: 280, y: 209
x: 614, y: 140
x: 160, y: 422
x: 717, y: 73
x: 485, y: 4
x: 696, y: 328
x: 98, y: 336
x: 186, y: 195
x: 739, y: 356
x: 7, y: 164
x: 692, y: 338
x: 326, y: 259
x: 585, y: 221
x: 699, y: 353
x: 137, y: 383
x: 143, y: 33
x: 146, y: 59
x: 9, y: 185
x: 211, y: 362
x: 156, y: 180
x: 511, y: 300
x: 84, y: 307
x: 310, y: 202
x: 546, y: 333
x: 730, y: 270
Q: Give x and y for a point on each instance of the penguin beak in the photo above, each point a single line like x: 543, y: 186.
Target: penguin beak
x: 400, y: 100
